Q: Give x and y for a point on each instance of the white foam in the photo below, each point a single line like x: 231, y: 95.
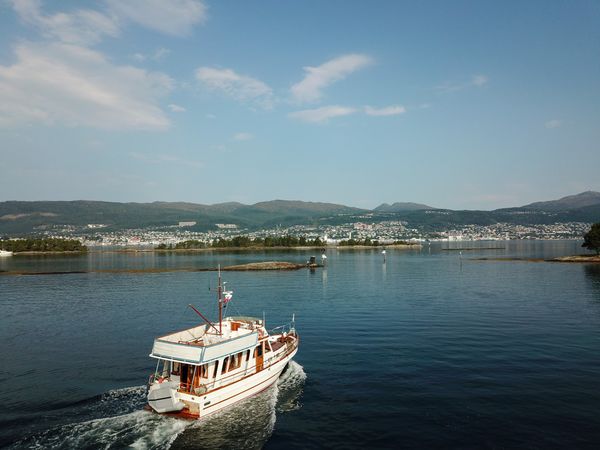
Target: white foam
x: 139, y: 429
x: 290, y: 387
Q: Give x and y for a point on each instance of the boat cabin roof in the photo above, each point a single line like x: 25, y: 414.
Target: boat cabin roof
x: 202, y: 344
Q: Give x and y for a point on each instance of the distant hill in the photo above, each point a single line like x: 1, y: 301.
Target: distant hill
x: 27, y: 217
x: 401, y: 206
x: 571, y: 202
x: 22, y: 218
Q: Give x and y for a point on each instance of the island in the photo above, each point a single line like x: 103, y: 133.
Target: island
x: 37, y: 246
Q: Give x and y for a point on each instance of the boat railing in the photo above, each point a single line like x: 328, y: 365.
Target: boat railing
x: 233, y: 377
x: 195, y: 389
x: 157, y: 377
x: 285, y: 328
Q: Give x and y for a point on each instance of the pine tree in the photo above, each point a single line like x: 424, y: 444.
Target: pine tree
x: 591, y: 240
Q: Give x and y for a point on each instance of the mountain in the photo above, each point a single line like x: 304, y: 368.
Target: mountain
x: 22, y: 218
x: 401, y: 206
x: 571, y: 202
x: 26, y: 217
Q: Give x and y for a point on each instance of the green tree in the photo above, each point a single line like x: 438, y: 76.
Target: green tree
x: 591, y: 240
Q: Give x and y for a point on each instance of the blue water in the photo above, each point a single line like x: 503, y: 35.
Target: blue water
x: 430, y: 349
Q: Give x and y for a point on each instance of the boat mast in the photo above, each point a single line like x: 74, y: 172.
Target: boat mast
x: 220, y: 300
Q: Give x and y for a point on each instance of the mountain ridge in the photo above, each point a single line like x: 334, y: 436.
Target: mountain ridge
x: 581, y: 200
x: 402, y: 206
x: 19, y: 217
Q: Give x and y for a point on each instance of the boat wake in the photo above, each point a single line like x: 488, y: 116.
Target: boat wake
x: 290, y: 386
x: 249, y: 423
x: 116, y: 420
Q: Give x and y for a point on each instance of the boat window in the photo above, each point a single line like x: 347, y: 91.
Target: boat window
x: 236, y: 361
x: 176, y: 368
x: 259, y: 350
x: 216, y: 369
x: 247, y: 355
x: 225, y: 364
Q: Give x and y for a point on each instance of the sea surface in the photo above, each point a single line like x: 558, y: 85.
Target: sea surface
x: 431, y: 348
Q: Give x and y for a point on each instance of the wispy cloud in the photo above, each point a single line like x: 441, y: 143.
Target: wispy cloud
x: 323, y: 114
x: 175, y: 17
x: 387, y: 111
x: 72, y: 85
x: 554, y: 123
x: 318, y: 78
x: 83, y: 26
x: 239, y: 87
x: 62, y: 81
x: 165, y: 159
x: 176, y: 108
x: 159, y: 54
x: 243, y: 136
x: 88, y: 26
x: 477, y: 80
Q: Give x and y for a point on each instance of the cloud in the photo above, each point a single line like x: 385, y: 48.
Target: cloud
x: 176, y: 108
x: 239, y: 87
x: 387, y: 111
x: 318, y: 78
x: 83, y: 26
x: 477, y: 80
x: 75, y: 86
x: 554, y: 123
x: 243, y: 136
x: 139, y: 57
x: 158, y: 55
x: 87, y: 26
x: 323, y: 114
x: 175, y: 17
x: 165, y: 159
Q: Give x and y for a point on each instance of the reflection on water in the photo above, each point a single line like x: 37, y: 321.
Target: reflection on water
x: 592, y: 272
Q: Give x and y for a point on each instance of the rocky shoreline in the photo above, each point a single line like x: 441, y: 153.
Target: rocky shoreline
x: 256, y: 266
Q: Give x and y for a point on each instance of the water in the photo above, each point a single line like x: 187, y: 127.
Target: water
x: 431, y: 349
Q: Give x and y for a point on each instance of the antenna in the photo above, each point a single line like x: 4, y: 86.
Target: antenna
x: 220, y: 300
x: 202, y: 315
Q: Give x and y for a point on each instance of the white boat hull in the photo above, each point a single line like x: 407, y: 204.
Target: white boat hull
x: 167, y: 399
x: 228, y: 395
x: 203, y: 372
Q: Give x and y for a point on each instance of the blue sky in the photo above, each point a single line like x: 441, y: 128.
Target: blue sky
x: 473, y: 105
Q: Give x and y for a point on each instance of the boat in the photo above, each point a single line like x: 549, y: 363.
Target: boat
x: 4, y: 253
x: 206, y: 368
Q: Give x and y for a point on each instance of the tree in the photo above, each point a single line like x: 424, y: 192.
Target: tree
x: 591, y: 240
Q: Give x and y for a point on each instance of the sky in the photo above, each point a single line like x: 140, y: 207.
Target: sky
x: 462, y: 104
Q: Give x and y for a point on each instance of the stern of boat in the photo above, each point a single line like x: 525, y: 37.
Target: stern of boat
x: 162, y: 395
